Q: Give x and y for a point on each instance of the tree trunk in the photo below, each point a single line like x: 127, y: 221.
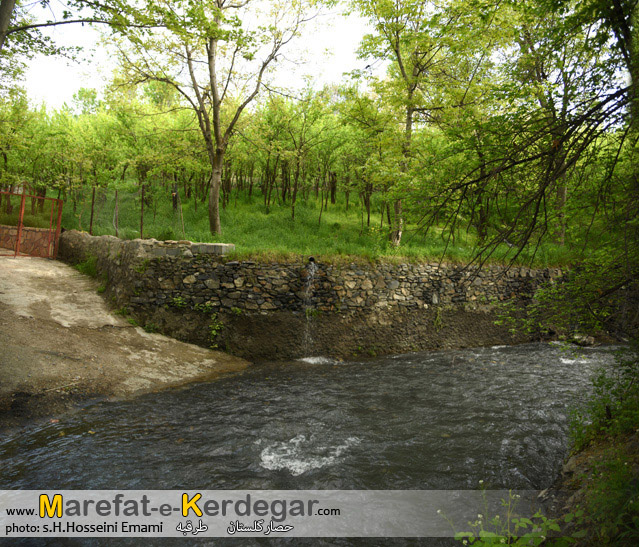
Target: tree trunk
x: 142, y: 212
x: 214, y: 194
x: 206, y: 186
x: 295, y: 188
x: 482, y: 219
x: 8, y: 207
x: 92, y: 206
x: 286, y: 180
x: 395, y: 235
x: 174, y: 194
x: 250, y: 176
x: 6, y: 11
x: 319, y: 220
x: 562, y: 197
x: 326, y: 199
x: 398, y: 224
x: 227, y: 177
x: 368, y: 192
x: 332, y: 177
x: 116, y: 219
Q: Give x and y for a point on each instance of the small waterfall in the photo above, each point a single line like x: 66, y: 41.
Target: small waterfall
x: 309, y: 310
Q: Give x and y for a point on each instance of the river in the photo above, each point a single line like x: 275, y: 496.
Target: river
x: 436, y: 420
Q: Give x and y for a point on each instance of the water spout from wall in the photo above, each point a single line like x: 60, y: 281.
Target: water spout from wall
x: 307, y: 303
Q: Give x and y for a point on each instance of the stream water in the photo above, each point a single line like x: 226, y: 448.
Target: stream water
x: 442, y: 420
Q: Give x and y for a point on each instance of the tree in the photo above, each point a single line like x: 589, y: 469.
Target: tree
x: 419, y: 39
x: 374, y: 148
x: 560, y: 113
x: 21, y: 25
x: 17, y: 22
x: 216, y: 56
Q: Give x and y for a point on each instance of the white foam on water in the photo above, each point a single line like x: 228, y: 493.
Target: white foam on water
x: 298, y: 455
x: 573, y: 361
x: 318, y: 360
x: 498, y: 347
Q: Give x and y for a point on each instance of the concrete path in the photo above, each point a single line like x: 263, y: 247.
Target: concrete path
x: 60, y: 343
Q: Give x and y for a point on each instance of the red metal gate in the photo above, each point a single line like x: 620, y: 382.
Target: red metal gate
x: 32, y: 230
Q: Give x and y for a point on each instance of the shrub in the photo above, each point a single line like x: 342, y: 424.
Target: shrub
x: 89, y: 266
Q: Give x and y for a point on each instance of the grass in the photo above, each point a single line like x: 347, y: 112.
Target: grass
x: 89, y: 266
x: 39, y: 220
x: 33, y: 217
x: 342, y: 234
x: 606, y: 434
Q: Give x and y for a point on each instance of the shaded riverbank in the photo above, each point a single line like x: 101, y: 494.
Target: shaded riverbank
x: 61, y: 345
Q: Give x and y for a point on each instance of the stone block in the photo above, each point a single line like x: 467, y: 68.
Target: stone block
x: 212, y: 284
x: 167, y: 284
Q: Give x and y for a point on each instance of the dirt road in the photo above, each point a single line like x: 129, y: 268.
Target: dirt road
x: 59, y: 344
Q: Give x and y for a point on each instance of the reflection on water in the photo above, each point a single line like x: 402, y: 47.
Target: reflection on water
x: 440, y: 420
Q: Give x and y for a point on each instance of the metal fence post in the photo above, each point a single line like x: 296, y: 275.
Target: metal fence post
x: 20, y: 222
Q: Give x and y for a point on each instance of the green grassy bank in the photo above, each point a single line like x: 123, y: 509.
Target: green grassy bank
x: 256, y: 230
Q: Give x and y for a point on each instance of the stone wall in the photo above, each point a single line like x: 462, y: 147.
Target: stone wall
x: 33, y: 241
x: 284, y: 310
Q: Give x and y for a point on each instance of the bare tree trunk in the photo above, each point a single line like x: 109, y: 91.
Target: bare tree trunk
x: 8, y: 207
x: 214, y: 196
x: 326, y: 198
x: 398, y: 223
x: 92, y: 206
x: 204, y: 188
x: 397, y: 226
x: 332, y: 177
x: 142, y: 212
x: 116, y: 219
x: 43, y: 194
x: 319, y: 220
x: 6, y: 11
x: 174, y: 193
x: 250, y: 175
x: 295, y: 188
x: 482, y: 219
x: 562, y: 197
x: 286, y: 180
x: 367, y: 201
